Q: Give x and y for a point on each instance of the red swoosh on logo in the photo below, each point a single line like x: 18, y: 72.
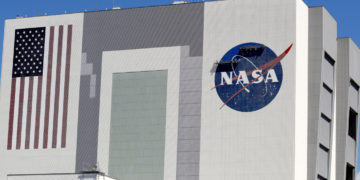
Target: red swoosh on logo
x: 268, y: 65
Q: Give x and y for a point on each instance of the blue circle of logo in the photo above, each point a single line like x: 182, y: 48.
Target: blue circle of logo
x: 247, y: 78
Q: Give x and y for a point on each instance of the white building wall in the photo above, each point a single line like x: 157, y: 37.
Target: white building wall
x: 271, y: 143
x: 61, y: 160
x: 260, y: 144
x: 302, y: 104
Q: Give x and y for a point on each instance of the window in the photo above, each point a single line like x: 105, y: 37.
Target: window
x: 325, y: 117
x: 321, y: 178
x: 327, y: 88
x: 354, y: 84
x: 352, y: 123
x: 324, y: 148
x: 349, y: 172
x: 329, y: 59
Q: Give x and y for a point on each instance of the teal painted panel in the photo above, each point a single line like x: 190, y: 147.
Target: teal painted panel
x: 138, y: 119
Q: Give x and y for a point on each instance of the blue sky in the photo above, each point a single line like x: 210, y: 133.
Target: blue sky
x: 345, y: 12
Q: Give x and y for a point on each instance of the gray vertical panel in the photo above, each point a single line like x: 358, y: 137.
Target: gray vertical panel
x: 354, y: 61
x: 323, y: 163
x: 330, y: 34
x: 138, y: 121
x: 161, y: 26
x: 315, y: 59
x: 86, y: 152
x: 350, y: 152
x: 324, y: 132
x: 326, y: 102
x: 188, y: 155
x: 352, y: 54
x: 328, y: 73
x: 353, y: 98
x: 342, y: 95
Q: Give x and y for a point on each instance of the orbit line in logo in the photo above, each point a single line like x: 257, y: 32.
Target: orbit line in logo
x: 249, y: 76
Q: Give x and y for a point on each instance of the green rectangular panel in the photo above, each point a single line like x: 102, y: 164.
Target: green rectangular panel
x: 138, y: 119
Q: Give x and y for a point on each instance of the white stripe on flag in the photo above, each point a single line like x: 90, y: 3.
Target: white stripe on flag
x: 16, y: 113
x: 24, y: 114
x: 53, y: 83
x: 62, y: 84
x: 43, y: 91
x: 33, y: 113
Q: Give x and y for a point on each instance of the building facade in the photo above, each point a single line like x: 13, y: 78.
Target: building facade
x: 211, y: 90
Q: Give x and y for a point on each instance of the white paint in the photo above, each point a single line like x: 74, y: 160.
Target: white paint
x: 62, y: 84
x: 226, y: 77
x: 16, y: 114
x: 259, y: 144
x: 257, y: 74
x: 41, y: 160
x: 44, y: 85
x: 53, y: 87
x: 301, y: 100
x: 33, y: 112
x: 152, y: 59
x: 271, y: 75
x: 333, y: 138
x: 242, y: 78
x: 24, y: 113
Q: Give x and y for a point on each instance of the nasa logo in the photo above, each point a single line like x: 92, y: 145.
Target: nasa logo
x: 249, y: 77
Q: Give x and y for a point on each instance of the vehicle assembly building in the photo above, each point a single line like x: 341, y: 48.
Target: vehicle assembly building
x: 221, y: 90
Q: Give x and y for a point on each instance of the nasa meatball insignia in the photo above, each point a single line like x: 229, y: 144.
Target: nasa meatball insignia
x: 249, y: 76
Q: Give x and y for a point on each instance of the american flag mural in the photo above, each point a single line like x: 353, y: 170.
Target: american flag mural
x: 39, y: 88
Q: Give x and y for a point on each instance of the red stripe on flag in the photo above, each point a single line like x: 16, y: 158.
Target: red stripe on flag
x: 11, y: 113
x: 29, y: 111
x: 48, y: 87
x: 21, y: 103
x: 57, y: 88
x: 66, y: 87
x: 38, y: 112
